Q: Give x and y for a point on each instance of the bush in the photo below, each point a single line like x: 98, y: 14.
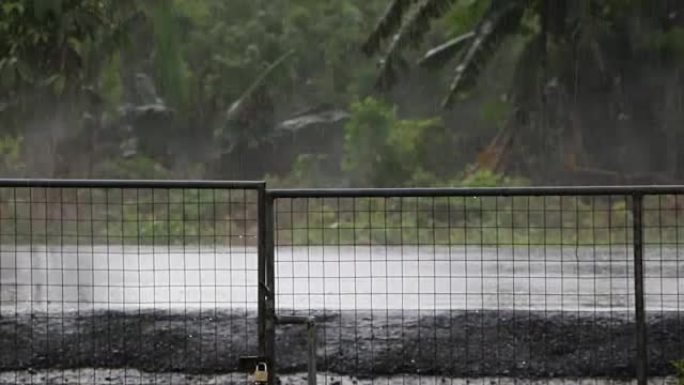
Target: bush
x: 307, y: 171
x: 679, y: 368
x: 11, y: 163
x: 381, y: 150
x: 487, y: 178
x: 138, y: 167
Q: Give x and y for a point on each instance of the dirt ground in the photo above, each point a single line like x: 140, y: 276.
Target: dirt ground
x: 91, y: 376
x: 366, y: 345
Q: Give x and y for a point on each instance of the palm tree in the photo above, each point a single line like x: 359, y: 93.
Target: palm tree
x: 405, y: 22
x: 581, y: 58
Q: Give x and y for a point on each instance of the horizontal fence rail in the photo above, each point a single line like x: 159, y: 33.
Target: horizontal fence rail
x: 434, y: 285
x: 127, y: 281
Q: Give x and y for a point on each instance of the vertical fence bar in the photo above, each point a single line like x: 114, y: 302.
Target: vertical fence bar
x: 311, y: 331
x: 641, y: 353
x: 269, y: 259
x: 262, y: 290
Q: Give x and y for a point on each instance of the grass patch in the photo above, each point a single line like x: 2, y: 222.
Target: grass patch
x: 229, y: 217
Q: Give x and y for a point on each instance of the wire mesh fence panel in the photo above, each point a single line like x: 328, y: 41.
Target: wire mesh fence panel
x: 127, y: 284
x: 664, y: 281
x: 435, y: 289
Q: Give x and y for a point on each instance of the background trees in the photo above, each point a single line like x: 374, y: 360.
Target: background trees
x: 343, y: 92
x: 592, y: 82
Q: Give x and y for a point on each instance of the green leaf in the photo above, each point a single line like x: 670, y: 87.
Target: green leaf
x: 7, y: 72
x: 411, y: 32
x: 111, y: 84
x: 50, y: 80
x: 59, y: 84
x: 388, y: 24
x: 41, y: 8
x: 502, y: 19
x: 436, y: 57
x: 25, y: 72
x: 238, y: 104
x: 12, y: 6
x: 76, y: 45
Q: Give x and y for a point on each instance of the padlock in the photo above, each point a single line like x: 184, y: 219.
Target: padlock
x: 261, y: 373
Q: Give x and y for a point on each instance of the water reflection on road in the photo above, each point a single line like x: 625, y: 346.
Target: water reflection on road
x: 409, y: 277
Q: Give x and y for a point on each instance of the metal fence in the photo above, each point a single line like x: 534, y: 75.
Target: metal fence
x: 171, y: 282
x: 489, y: 285
x: 127, y: 282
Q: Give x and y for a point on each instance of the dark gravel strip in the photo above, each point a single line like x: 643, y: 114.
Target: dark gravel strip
x: 522, y: 344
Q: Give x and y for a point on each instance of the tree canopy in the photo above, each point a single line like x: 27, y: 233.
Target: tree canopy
x: 586, y: 73
x: 348, y: 91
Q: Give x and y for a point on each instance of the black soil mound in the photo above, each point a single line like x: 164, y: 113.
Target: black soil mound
x: 455, y: 344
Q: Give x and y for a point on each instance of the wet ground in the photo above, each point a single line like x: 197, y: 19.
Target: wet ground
x: 340, y: 278
x: 363, y: 344
x: 134, y: 377
x: 435, y: 313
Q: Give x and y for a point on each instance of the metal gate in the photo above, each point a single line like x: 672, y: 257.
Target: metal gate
x: 172, y: 282
x: 482, y: 286
x: 128, y: 281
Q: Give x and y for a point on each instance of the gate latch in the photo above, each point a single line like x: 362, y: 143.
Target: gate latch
x: 256, y: 366
x: 261, y: 373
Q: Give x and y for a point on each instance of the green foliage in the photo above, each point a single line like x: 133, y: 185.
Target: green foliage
x: 168, y: 60
x: 71, y: 58
x: 229, y: 44
x: 111, y: 82
x: 366, y: 140
x: 679, y: 368
x: 448, y: 221
x: 122, y: 217
x: 669, y: 43
x: 487, y: 178
x: 45, y: 43
x: 68, y: 61
x: 307, y: 171
x: 464, y: 16
x: 52, y: 53
x: 139, y: 167
x: 407, y: 23
x: 571, y: 51
x: 11, y: 160
x: 496, y: 112
x: 383, y: 150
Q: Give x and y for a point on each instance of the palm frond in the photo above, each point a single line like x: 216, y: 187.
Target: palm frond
x: 237, y: 106
x: 438, y: 56
x: 502, y: 19
x: 388, y: 25
x: 411, y: 32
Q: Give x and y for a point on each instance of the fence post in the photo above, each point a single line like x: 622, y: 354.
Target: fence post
x: 270, y: 316
x: 641, y: 352
x: 266, y: 282
x: 311, y: 331
x: 261, y: 274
